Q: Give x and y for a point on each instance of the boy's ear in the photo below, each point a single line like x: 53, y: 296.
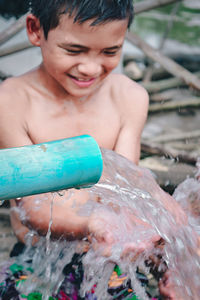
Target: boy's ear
x: 34, y: 29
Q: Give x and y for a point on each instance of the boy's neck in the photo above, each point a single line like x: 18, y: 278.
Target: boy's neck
x: 55, y: 90
x: 50, y: 85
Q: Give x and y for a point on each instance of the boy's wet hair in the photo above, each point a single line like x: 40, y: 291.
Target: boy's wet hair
x: 101, y: 11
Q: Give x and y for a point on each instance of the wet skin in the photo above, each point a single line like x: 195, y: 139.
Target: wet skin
x: 71, y: 93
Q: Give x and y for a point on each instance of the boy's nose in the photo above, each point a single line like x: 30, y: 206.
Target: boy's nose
x: 90, y: 69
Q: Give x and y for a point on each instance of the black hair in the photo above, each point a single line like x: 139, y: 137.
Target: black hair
x: 102, y: 11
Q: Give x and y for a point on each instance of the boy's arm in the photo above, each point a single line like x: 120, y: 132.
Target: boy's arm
x: 14, y: 133
x: 62, y: 211
x: 133, y: 107
x: 35, y: 211
x: 134, y: 110
x: 13, y: 126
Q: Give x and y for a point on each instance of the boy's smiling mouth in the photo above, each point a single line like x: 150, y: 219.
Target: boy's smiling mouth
x: 82, y: 82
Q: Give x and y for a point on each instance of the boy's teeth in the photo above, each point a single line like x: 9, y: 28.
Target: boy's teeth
x: 79, y: 79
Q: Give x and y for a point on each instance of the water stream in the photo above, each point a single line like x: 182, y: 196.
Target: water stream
x: 133, y: 209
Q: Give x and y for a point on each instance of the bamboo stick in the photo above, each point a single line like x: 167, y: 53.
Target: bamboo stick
x: 171, y: 66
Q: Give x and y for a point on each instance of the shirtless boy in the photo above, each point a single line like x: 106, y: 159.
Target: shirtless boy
x: 73, y: 92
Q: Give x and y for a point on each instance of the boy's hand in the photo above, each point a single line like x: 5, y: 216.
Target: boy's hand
x: 127, y: 236
x: 167, y: 288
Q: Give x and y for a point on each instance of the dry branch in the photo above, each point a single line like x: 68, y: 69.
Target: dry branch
x: 171, y: 66
x: 176, y: 136
x: 159, y: 85
x: 14, y: 28
x: 15, y: 48
x: 171, y: 105
x: 167, y: 151
x: 172, y: 94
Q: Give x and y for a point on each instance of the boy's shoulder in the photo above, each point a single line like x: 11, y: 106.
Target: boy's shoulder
x: 121, y: 82
x: 125, y: 88
x: 13, y: 88
x: 13, y: 97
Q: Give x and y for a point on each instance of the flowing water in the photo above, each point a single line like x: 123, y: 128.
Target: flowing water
x: 132, y: 208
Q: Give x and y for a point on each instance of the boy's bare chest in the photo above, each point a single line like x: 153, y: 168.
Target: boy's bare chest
x: 52, y: 124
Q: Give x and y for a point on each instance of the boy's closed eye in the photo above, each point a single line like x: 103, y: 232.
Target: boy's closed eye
x: 71, y: 51
x: 106, y: 52
x: 112, y: 50
x: 78, y: 49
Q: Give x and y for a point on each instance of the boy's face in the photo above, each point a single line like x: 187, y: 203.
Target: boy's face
x: 79, y: 56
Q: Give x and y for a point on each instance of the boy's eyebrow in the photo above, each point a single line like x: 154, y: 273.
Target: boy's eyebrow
x: 73, y: 46
x: 65, y: 45
x: 114, y: 47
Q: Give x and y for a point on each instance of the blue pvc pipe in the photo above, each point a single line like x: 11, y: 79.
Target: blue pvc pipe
x: 52, y: 166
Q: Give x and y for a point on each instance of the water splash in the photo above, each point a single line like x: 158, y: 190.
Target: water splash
x: 129, y: 197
